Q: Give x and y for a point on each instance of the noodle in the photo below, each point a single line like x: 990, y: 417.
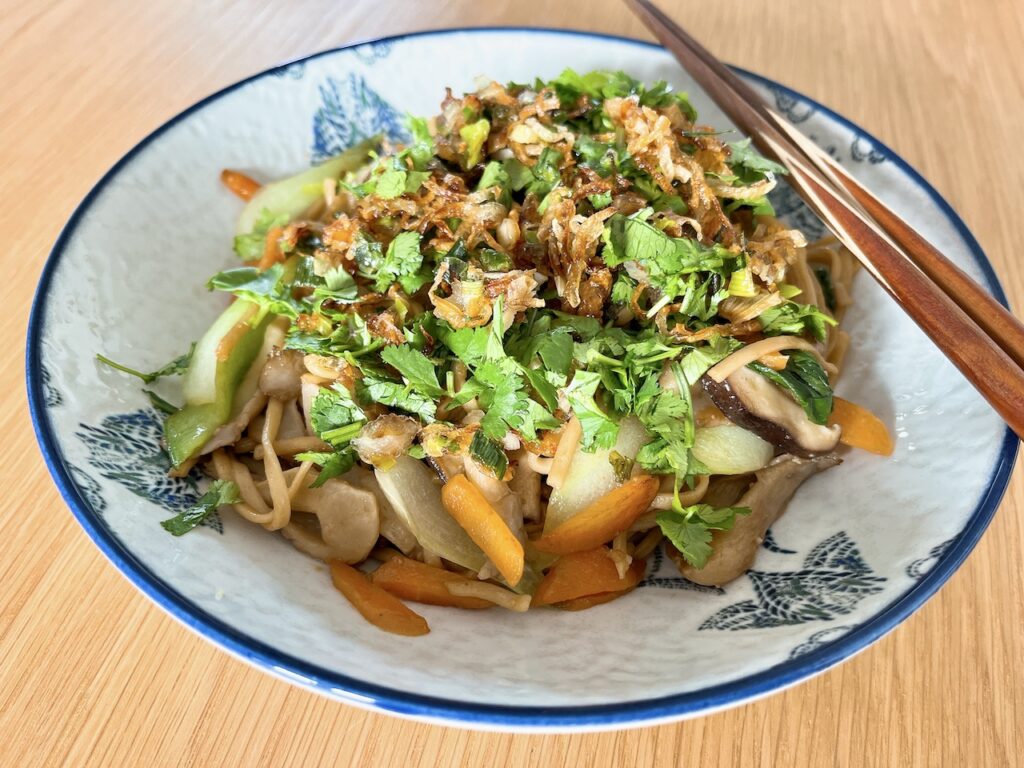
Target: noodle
x: 648, y: 543
x: 620, y: 555
x: 289, y: 446
x: 251, y: 507
x: 492, y: 593
x: 539, y: 464
x: 686, y: 499
x: 745, y: 355
x: 282, y: 509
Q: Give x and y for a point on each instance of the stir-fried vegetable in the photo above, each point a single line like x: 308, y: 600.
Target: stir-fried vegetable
x: 467, y: 505
x: 583, y: 574
x: 510, y: 343
x: 421, y: 583
x: 601, y: 521
x: 377, y: 606
x: 861, y: 428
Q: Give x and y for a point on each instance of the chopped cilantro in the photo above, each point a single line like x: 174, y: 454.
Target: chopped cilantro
x: 792, y: 319
x: 415, y: 367
x: 220, y: 492
x: 599, y: 430
x: 401, y: 264
x: 331, y: 463
x: 689, y: 528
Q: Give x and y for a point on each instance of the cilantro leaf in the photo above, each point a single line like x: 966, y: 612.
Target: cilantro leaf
x: 250, y: 247
x: 220, y: 492
x: 538, y: 179
x: 749, y: 165
x: 501, y: 388
x: 494, y: 175
x: 335, y: 416
x: 689, y: 528
x: 622, y: 289
x: 415, y: 367
x: 668, y: 416
x: 421, y: 149
x: 468, y: 344
x: 792, y: 319
x: 176, y: 367
x: 667, y: 260
x: 331, y: 463
x: 396, y: 394
x: 600, y: 157
x: 390, y: 184
x: 401, y: 263
x: 543, y: 388
x: 805, y: 379
x: 265, y: 288
x: 599, y: 430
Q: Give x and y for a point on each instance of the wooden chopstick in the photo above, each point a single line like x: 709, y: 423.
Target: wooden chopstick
x: 973, y: 299
x: 964, y: 342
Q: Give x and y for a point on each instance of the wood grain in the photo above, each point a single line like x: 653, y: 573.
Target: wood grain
x: 92, y: 674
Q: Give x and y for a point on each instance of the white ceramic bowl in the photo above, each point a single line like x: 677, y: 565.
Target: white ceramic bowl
x: 860, y: 548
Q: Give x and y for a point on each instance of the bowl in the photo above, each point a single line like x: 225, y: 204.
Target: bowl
x: 858, y: 551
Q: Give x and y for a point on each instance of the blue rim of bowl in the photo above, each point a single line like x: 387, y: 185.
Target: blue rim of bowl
x: 360, y: 693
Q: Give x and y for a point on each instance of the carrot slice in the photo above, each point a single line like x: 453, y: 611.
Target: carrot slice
x: 378, y: 607
x: 603, y: 520
x: 243, y: 186
x: 271, y: 250
x: 861, y: 428
x: 636, y: 571
x: 583, y: 574
x: 422, y: 583
x: 485, y: 526
x: 589, y: 601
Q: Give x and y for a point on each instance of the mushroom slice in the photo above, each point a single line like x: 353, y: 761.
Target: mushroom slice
x: 733, y: 551
x: 342, y: 522
x: 391, y: 526
x: 229, y: 434
x: 281, y: 374
x: 755, y: 403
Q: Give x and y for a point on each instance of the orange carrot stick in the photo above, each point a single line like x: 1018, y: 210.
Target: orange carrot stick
x: 485, y: 526
x: 603, y: 520
x: 583, y: 574
x: 589, y: 601
x: 378, y: 607
x: 271, y: 250
x: 243, y: 186
x: 422, y: 583
x: 861, y: 428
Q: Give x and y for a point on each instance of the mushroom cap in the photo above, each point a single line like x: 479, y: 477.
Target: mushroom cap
x: 755, y: 403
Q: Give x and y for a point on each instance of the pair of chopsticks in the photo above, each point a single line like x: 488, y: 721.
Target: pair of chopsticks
x: 978, y: 335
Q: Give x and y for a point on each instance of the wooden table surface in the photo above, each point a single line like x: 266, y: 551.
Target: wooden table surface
x: 91, y: 673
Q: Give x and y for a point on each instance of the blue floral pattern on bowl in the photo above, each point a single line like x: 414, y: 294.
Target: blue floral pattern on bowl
x: 833, y: 580
x: 350, y: 111
x: 127, y: 449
